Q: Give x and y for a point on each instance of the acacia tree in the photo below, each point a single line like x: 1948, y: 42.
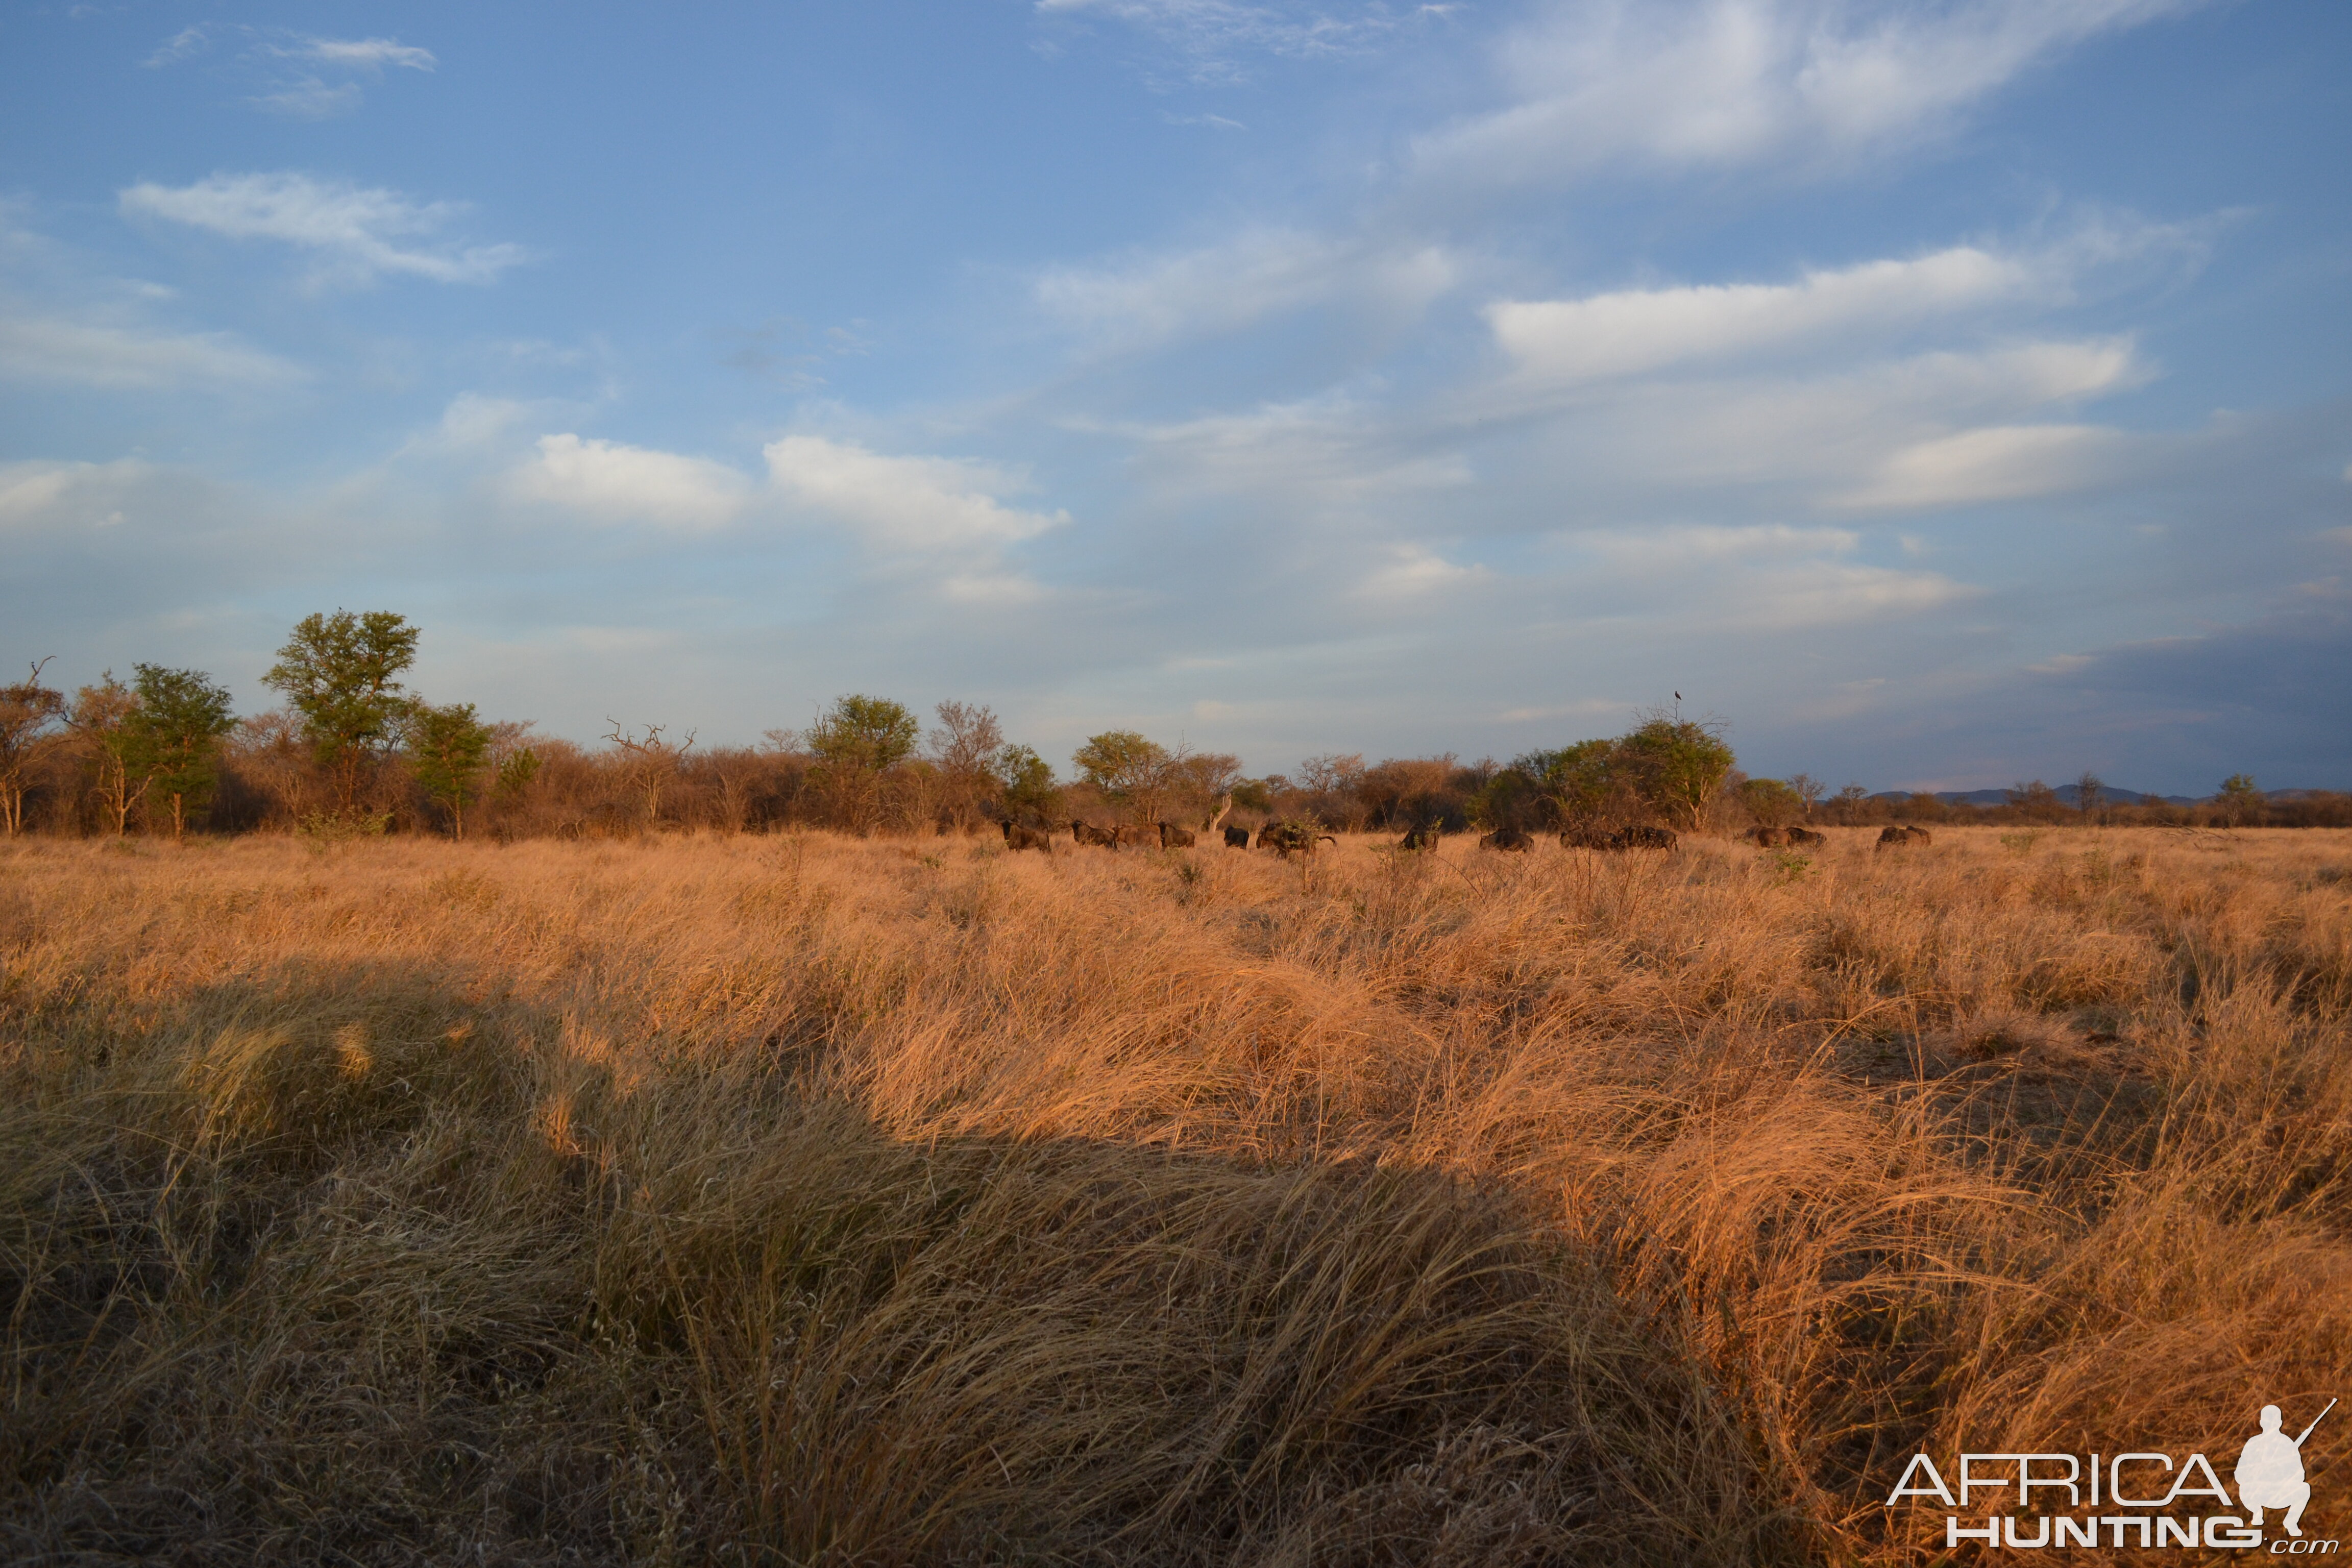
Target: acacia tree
x: 1582, y: 782
x: 340, y: 673
x: 99, y: 719
x: 447, y: 749
x: 28, y: 711
x: 1127, y: 768
x: 1028, y: 784
x: 1676, y: 765
x: 858, y: 740
x: 174, y: 736
x: 1771, y: 801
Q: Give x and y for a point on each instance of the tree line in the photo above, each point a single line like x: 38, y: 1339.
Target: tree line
x: 353, y: 752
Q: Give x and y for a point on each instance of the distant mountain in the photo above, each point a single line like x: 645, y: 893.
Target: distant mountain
x: 2070, y: 796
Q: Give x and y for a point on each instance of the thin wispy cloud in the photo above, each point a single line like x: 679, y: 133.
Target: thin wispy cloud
x: 1213, y: 40
x: 56, y: 350
x: 358, y: 233
x: 1592, y: 84
x: 358, y: 54
x: 324, y: 83
x: 182, y: 44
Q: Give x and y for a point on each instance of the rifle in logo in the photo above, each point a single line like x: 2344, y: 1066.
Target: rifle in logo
x: 2269, y: 1470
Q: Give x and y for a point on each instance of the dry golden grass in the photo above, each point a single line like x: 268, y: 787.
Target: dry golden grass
x: 804, y: 1200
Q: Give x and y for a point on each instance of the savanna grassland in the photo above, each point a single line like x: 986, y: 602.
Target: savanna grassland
x: 799, y: 1199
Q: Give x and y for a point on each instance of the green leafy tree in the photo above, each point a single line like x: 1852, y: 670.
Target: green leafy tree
x: 1771, y: 801
x: 1583, y: 782
x: 340, y: 673
x: 448, y: 748
x: 858, y: 740
x: 1676, y: 765
x: 175, y: 737
x: 1026, y: 783
x: 101, y: 719
x: 1127, y: 769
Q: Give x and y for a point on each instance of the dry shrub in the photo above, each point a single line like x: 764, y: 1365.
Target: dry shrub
x: 810, y: 1200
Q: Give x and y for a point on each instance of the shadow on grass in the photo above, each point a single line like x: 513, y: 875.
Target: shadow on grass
x: 354, y: 1264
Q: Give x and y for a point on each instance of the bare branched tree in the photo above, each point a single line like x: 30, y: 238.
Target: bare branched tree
x: 964, y: 747
x: 648, y: 763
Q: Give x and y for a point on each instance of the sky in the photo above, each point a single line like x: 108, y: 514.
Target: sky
x: 1941, y: 395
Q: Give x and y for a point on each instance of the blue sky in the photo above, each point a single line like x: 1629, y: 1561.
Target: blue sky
x: 1943, y: 394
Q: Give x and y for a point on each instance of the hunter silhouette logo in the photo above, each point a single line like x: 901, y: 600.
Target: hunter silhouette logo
x: 2269, y: 1470
x: 2142, y: 1499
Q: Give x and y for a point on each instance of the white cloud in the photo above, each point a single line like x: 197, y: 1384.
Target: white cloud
x: 1149, y: 300
x: 187, y: 41
x: 1732, y: 82
x: 40, y: 494
x: 2007, y: 462
x: 912, y: 505
x: 1415, y: 571
x: 361, y: 54
x: 360, y: 230
x: 612, y: 483
x: 1770, y: 576
x: 59, y: 350
x: 1637, y: 330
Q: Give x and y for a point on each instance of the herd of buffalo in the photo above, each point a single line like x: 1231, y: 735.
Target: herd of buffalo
x: 1288, y: 839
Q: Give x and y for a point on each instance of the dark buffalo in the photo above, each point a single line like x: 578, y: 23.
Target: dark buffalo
x: 1768, y: 837
x: 1087, y: 832
x: 1805, y: 837
x: 1288, y: 839
x: 1175, y: 837
x: 1237, y: 838
x: 1516, y: 840
x: 1585, y: 838
x: 1904, y: 835
x: 1642, y: 837
x: 1130, y: 836
x: 1018, y: 837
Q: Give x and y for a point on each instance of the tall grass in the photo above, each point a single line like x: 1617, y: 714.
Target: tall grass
x: 811, y: 1200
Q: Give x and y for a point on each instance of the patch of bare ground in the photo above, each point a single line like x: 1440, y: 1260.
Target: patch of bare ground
x: 802, y: 1199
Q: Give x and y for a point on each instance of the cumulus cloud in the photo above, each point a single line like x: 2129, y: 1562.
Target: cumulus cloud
x: 1596, y: 83
x: 904, y: 505
x: 609, y: 482
x: 360, y: 232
